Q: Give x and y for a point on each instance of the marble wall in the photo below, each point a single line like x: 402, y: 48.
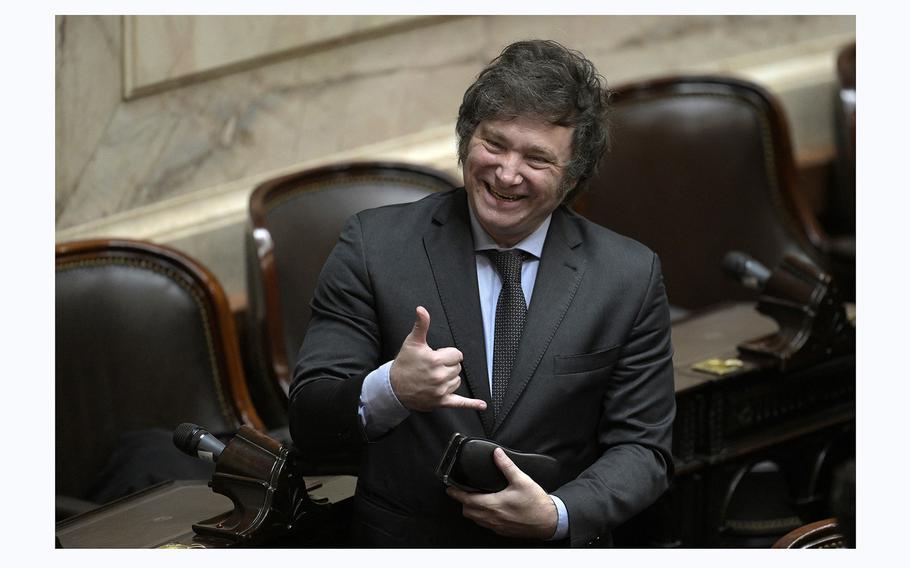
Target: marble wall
x: 165, y: 123
x: 161, y: 52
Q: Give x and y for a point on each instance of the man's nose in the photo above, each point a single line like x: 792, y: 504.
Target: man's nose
x: 508, y: 170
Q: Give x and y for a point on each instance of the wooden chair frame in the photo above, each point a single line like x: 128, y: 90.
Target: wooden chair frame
x: 820, y: 534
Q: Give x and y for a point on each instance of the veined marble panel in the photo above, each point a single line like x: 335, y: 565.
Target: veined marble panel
x: 212, y: 208
x: 165, y: 51
x: 87, y: 63
x: 272, y: 117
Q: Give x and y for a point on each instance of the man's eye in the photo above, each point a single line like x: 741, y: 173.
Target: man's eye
x: 538, y: 161
x: 494, y: 146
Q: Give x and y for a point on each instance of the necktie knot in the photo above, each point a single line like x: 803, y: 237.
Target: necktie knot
x: 508, y: 264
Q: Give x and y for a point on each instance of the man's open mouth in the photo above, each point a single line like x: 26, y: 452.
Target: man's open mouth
x: 502, y: 196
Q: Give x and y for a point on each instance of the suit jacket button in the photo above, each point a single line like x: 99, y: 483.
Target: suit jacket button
x: 593, y: 541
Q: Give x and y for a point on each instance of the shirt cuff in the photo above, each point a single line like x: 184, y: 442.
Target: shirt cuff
x: 562, y: 519
x: 380, y: 410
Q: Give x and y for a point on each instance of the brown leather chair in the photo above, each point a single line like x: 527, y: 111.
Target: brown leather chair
x: 820, y: 534
x: 294, y: 224
x: 144, y: 340
x: 700, y: 166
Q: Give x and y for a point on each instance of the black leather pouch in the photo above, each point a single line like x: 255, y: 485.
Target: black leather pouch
x: 468, y: 464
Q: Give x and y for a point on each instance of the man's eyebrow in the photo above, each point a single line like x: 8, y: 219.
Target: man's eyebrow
x: 541, y: 151
x: 488, y: 132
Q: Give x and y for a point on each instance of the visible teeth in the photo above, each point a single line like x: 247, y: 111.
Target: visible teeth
x: 501, y: 196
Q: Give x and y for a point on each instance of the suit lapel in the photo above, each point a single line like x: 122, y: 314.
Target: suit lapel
x: 558, y: 276
x: 450, y: 250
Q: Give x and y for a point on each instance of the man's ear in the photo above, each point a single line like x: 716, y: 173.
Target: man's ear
x: 572, y: 189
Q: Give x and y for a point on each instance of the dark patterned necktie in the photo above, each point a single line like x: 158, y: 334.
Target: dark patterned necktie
x: 511, y: 313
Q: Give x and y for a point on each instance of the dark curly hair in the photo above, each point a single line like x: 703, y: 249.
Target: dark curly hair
x: 542, y: 78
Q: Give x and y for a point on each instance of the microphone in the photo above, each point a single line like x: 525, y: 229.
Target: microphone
x: 750, y: 272
x: 197, y: 442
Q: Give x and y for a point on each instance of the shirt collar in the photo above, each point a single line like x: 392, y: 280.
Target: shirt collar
x: 532, y: 244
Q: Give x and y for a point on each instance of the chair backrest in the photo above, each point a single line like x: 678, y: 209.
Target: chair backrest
x: 700, y: 166
x: 842, y: 212
x: 295, y: 223
x: 820, y: 534
x: 144, y: 339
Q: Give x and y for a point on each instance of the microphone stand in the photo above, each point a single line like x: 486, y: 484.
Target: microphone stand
x: 808, y: 309
x: 254, y: 471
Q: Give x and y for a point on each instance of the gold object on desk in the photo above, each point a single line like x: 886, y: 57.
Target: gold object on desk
x: 180, y: 545
x: 719, y: 367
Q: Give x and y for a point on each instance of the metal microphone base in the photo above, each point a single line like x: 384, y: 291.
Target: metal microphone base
x: 269, y: 498
x: 808, y: 309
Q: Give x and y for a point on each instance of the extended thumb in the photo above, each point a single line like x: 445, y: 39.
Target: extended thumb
x: 421, y: 325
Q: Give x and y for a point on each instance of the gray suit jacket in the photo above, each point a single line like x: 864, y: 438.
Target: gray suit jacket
x: 592, y: 385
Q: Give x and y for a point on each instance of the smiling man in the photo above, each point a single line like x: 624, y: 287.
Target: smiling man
x: 513, y: 175
x: 495, y: 311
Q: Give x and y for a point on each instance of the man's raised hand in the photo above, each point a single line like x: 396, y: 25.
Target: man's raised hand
x: 424, y: 378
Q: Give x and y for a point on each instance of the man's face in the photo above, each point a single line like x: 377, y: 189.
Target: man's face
x: 513, y: 174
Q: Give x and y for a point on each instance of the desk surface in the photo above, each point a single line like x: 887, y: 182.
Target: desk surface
x: 164, y: 514
x: 715, y: 333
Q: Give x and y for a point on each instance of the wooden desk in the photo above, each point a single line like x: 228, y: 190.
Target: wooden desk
x: 802, y: 423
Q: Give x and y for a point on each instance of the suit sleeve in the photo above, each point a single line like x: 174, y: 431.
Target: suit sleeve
x: 635, y: 429
x: 340, y: 348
